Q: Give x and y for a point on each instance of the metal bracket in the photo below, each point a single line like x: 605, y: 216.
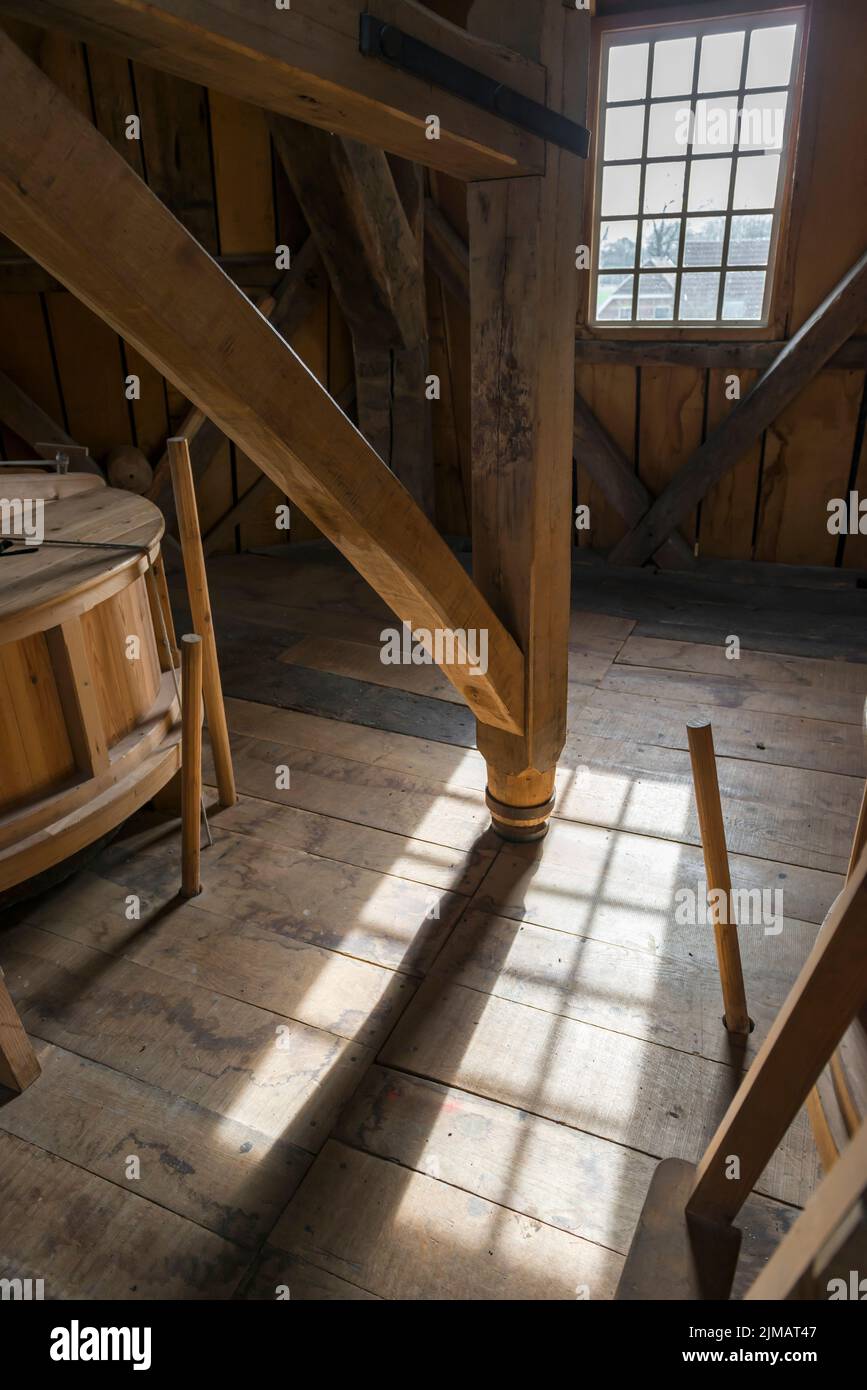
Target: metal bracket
x: 377, y: 39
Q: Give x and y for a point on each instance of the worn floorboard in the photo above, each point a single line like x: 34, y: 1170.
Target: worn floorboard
x: 384, y: 1055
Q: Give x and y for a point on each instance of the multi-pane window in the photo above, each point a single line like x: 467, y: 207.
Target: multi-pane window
x: 694, y: 141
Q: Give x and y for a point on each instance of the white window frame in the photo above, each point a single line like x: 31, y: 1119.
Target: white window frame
x: 620, y: 37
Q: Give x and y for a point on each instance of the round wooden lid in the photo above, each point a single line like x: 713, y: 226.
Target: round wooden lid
x: 39, y: 589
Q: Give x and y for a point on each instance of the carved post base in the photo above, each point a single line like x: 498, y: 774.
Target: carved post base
x: 520, y: 803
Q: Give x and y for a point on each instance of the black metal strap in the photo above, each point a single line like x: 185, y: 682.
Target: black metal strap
x: 378, y: 39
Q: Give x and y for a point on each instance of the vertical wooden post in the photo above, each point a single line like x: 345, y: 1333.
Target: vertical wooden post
x: 200, y: 608
x: 18, y: 1065
x: 523, y: 299
x: 191, y: 764
x: 716, y: 864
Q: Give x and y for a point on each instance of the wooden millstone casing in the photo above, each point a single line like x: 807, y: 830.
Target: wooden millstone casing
x: 89, y: 719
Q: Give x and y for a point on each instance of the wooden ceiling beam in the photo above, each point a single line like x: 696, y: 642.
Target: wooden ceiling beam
x: 304, y: 61
x: 823, y: 334
x: 75, y: 205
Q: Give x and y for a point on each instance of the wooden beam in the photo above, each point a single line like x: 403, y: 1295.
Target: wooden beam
x: 447, y: 253
x: 349, y: 198
x: 30, y: 422
x: 64, y: 192
x: 286, y: 310
x: 523, y: 291
x: 835, y: 320
x: 612, y: 473
x: 20, y: 274
x: 734, y: 356
x: 304, y: 61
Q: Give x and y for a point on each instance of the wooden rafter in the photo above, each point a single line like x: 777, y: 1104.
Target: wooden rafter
x: 304, y: 61
x: 349, y: 196
x: 832, y: 324
x: 75, y: 205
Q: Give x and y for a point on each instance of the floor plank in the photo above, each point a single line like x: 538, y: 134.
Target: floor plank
x: 651, y: 1098
x: 220, y: 1173
x: 575, y: 1181
x: 249, y: 1065
x: 403, y: 1235
x: 88, y: 1238
x: 786, y: 814
x: 234, y: 954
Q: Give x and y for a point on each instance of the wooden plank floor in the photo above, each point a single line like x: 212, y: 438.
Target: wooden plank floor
x: 384, y: 1055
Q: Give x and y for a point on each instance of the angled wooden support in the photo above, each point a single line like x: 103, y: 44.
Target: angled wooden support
x: 349, y: 196
x: 303, y: 60
x: 286, y: 309
x: 523, y: 295
x: 74, y: 204
x: 835, y: 320
x: 446, y: 253
x: 34, y: 426
x: 612, y: 473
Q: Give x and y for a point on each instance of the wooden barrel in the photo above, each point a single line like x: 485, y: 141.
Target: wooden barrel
x: 89, y: 719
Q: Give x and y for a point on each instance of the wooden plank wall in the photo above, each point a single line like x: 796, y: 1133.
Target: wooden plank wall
x: 209, y: 158
x: 773, y: 506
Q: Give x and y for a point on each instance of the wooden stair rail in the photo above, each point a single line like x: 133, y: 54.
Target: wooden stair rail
x: 66, y: 195
x: 685, y: 1245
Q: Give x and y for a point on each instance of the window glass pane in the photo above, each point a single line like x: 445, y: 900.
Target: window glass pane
x: 673, y: 62
x: 663, y: 187
x: 716, y: 125
x: 699, y: 292
x: 709, y: 185
x: 719, y: 68
x: 660, y: 241
x: 770, y: 60
x: 669, y: 128
x: 756, y: 181
x: 624, y: 132
x: 627, y: 71
x: 613, y: 295
x: 744, y: 293
x: 620, y: 185
x: 763, y: 121
x: 750, y: 240
x: 656, y: 296
x: 617, y: 245
x: 704, y: 241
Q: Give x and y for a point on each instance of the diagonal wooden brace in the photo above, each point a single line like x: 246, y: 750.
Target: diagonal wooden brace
x: 74, y: 204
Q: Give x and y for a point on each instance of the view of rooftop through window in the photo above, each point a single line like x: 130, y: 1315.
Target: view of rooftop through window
x: 693, y: 144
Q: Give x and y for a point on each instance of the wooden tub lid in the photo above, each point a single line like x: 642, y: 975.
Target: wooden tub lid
x: 39, y: 589
x: 50, y: 487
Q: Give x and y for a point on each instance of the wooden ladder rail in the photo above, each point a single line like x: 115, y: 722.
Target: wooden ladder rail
x: 685, y: 1245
